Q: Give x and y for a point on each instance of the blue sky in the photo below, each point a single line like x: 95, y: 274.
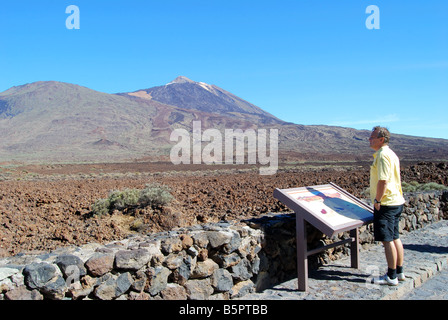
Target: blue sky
x: 307, y: 62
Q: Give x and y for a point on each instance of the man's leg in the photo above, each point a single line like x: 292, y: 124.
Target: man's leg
x: 391, y: 257
x: 391, y: 254
x: 384, y: 231
x: 400, y: 252
x: 397, y: 241
x: 400, y: 259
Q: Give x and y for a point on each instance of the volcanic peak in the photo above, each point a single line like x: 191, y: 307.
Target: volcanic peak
x: 181, y: 79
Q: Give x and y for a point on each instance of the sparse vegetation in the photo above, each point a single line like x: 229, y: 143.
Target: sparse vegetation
x: 414, y: 186
x: 123, y: 199
x: 101, y: 207
x: 154, y: 194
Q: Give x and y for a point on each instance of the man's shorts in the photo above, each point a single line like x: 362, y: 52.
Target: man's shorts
x: 385, y: 223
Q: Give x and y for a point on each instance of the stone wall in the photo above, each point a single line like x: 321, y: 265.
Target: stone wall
x: 209, y: 261
x: 278, y: 255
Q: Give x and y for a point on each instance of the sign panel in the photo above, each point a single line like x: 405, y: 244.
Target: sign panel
x: 328, y: 207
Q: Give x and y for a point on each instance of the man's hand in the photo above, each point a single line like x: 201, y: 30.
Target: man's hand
x: 377, y: 206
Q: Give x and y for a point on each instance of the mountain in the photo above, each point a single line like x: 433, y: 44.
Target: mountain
x: 56, y: 121
x: 199, y: 96
x: 61, y: 122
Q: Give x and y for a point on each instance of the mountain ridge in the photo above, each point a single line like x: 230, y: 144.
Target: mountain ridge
x: 58, y: 121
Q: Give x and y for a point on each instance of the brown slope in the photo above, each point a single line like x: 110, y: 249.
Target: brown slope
x: 55, y: 121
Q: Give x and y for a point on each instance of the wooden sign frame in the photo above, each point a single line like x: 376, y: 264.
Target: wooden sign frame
x: 331, y: 210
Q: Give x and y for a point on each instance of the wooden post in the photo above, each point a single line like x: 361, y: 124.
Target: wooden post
x: 302, y: 256
x: 354, y: 248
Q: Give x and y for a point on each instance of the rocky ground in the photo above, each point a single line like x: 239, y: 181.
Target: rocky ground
x: 43, y: 207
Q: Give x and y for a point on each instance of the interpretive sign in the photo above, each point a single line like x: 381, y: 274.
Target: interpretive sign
x: 327, y: 207
x: 330, y: 209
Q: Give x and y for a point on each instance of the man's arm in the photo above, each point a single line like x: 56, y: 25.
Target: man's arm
x: 380, y: 191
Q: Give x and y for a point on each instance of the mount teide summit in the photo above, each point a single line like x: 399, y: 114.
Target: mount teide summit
x: 199, y: 96
x: 56, y: 121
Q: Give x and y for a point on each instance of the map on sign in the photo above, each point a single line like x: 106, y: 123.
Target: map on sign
x: 332, y: 205
x: 328, y: 206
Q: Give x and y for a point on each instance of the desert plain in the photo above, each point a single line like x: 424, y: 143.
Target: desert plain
x: 47, y: 206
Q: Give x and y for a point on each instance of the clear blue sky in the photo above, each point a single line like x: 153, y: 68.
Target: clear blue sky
x: 307, y: 62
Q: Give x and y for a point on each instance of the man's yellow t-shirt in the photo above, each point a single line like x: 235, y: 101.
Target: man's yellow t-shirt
x: 386, y: 166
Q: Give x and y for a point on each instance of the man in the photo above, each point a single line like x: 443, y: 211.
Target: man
x: 387, y: 196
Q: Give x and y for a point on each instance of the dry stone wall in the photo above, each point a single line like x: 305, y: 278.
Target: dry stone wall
x: 278, y: 256
x: 210, y: 261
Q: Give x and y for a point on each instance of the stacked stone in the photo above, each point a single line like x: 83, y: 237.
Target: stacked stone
x: 278, y: 256
x: 423, y: 208
x: 212, y: 261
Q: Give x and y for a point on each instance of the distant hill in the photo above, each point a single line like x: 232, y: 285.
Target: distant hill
x: 56, y: 121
